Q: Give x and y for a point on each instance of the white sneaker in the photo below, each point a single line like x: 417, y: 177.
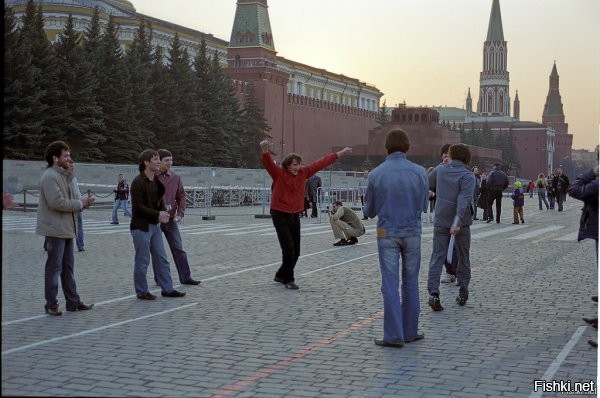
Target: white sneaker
x: 448, y: 278
x: 457, y: 284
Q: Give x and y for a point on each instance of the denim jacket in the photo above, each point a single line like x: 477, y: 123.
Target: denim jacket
x: 397, y: 194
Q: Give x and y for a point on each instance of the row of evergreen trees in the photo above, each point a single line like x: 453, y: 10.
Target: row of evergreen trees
x: 109, y: 104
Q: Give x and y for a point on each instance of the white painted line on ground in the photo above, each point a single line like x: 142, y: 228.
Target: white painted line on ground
x: 25, y: 347
x: 342, y: 263
x: 562, y: 355
x: 498, y: 231
x: 538, y: 232
x: 203, y: 279
x: 249, y: 232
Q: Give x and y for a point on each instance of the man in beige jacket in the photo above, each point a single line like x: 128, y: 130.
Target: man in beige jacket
x: 345, y: 224
x: 56, y: 220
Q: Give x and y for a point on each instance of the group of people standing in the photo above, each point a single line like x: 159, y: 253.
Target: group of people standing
x: 158, y: 205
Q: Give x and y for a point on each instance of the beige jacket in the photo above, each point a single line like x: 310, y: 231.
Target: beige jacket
x: 57, y: 205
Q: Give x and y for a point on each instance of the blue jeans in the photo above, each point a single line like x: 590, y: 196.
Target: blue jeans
x: 149, y: 245
x: 400, y: 317
x: 60, y: 263
x: 462, y: 246
x: 171, y: 231
x: 542, y: 198
x: 116, y: 206
x: 79, y: 239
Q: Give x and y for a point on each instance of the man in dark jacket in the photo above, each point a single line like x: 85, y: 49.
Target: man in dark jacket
x: 585, y: 188
x: 312, y: 187
x: 148, y: 211
x: 497, y: 181
x: 560, y: 183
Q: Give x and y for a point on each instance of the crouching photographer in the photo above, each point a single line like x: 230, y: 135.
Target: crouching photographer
x: 345, y: 223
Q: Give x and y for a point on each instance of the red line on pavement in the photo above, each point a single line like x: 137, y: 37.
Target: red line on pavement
x: 269, y: 370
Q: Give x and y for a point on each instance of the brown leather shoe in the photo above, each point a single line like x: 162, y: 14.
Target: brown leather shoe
x: 146, y: 296
x: 54, y: 311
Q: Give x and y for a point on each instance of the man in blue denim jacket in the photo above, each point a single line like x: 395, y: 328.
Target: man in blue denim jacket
x: 453, y: 216
x: 397, y: 193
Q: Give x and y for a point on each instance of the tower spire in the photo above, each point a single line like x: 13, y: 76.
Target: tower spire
x: 553, y: 114
x: 494, y: 98
x: 495, y: 32
x: 251, y: 26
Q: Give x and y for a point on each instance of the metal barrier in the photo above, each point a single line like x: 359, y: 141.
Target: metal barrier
x: 217, y: 200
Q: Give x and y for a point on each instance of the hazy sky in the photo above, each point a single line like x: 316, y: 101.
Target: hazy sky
x: 429, y: 52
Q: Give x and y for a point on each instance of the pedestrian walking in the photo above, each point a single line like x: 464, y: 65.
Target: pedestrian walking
x: 453, y: 217
x: 313, y: 184
x: 450, y: 274
x: 483, y: 197
x: 121, y: 199
x: 560, y: 183
x: 398, y: 180
x: 287, y: 201
x: 148, y: 211
x: 362, y: 190
x: 551, y: 191
x: 531, y: 188
x: 518, y: 197
x: 476, y: 191
x: 174, y: 199
x: 541, y: 185
x: 585, y: 188
x: 56, y: 221
x: 497, y: 182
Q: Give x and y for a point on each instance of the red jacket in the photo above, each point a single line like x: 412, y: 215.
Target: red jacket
x: 288, y: 189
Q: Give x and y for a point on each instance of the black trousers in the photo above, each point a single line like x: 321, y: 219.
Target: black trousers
x: 494, y: 196
x: 287, y: 226
x: 314, y: 213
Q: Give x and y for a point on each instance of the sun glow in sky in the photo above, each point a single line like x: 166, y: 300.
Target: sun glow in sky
x: 429, y: 52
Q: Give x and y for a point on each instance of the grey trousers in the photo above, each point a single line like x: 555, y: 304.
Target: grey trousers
x: 343, y: 230
x: 441, y: 239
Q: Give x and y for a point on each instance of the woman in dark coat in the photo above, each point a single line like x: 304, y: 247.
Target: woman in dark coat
x: 483, y: 196
x: 585, y: 188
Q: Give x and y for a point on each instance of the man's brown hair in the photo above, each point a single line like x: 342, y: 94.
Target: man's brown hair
x: 460, y: 152
x: 55, y: 148
x: 145, y: 156
x: 397, y: 140
x: 289, y: 159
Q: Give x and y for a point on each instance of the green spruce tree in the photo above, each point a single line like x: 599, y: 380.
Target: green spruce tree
x: 114, y: 96
x: 253, y: 129
x: 139, y: 61
x: 83, y: 122
x: 23, y: 106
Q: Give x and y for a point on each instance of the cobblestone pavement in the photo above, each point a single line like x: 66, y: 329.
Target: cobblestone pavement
x: 240, y: 334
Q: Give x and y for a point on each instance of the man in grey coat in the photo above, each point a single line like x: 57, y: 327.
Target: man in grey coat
x: 56, y: 220
x: 453, y: 217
